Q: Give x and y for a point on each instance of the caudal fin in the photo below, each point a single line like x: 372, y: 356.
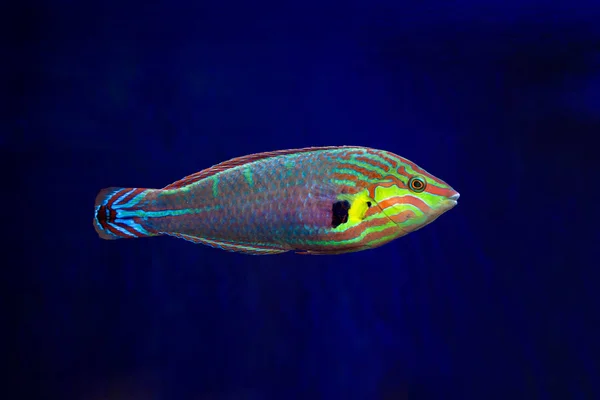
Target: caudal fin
x: 116, y: 213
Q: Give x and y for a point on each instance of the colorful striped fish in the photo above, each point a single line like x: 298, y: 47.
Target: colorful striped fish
x: 318, y: 200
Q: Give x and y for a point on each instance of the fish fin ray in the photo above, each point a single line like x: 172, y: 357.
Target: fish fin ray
x: 331, y: 252
x: 107, y: 220
x: 236, y: 162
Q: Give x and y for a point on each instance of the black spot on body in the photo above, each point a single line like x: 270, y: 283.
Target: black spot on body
x: 339, y: 213
x: 369, y: 204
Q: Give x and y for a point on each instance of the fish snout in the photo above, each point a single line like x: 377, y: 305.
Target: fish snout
x: 454, y: 196
x: 452, y: 199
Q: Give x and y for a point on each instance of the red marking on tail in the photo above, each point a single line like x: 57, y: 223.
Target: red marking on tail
x: 106, y: 223
x: 102, y: 213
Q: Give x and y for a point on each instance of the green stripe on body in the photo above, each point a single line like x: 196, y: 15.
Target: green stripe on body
x: 215, y: 187
x: 248, y: 176
x: 165, y: 213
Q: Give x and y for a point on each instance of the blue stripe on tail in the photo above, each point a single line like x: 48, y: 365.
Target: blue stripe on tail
x: 113, y: 217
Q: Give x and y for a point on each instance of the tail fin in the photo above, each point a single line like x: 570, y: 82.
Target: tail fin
x: 115, y: 213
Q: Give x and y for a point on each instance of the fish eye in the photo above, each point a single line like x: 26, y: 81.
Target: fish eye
x: 417, y: 184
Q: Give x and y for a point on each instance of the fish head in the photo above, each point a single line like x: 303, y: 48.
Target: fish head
x: 411, y: 197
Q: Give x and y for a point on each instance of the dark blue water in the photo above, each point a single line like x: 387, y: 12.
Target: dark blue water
x: 494, y: 300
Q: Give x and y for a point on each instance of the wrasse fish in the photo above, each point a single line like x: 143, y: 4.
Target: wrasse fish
x: 318, y: 200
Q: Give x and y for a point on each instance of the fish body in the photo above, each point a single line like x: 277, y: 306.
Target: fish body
x: 319, y: 200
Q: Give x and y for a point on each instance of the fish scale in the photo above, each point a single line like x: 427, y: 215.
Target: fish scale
x: 272, y: 202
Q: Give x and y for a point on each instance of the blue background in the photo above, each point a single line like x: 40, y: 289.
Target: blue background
x: 494, y: 300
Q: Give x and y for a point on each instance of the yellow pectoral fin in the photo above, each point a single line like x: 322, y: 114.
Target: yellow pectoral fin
x: 359, y: 204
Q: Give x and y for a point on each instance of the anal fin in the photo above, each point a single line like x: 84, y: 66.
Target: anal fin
x: 228, y: 246
x: 330, y: 252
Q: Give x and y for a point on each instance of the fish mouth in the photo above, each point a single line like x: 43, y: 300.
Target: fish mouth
x: 452, y: 200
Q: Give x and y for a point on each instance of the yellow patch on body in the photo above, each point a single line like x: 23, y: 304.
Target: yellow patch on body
x: 358, y: 208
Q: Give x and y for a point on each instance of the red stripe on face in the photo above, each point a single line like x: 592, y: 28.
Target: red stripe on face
x: 372, y: 211
x: 395, y: 181
x: 403, y: 216
x: 371, y: 236
x: 356, y: 231
x: 371, y: 190
x: 388, y: 159
x: 421, y: 171
x: 375, y: 163
x: 438, y: 191
x: 397, y: 218
x: 402, y: 171
x: 366, y: 172
x: 420, y: 204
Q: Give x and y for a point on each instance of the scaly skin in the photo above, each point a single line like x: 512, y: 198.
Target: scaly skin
x: 284, y: 202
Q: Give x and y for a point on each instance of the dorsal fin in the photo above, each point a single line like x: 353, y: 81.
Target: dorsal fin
x: 235, y: 162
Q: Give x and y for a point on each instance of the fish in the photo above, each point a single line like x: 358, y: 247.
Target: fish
x: 313, y: 200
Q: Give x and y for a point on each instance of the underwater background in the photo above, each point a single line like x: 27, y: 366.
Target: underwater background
x: 497, y: 299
